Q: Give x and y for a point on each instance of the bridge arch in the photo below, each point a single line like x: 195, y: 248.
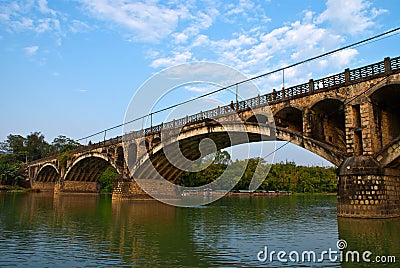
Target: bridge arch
x: 255, y: 133
x: 120, y: 159
x: 385, y: 101
x: 155, y: 141
x: 289, y: 117
x: 257, y: 118
x: 48, y: 173
x: 327, y: 121
x: 131, y: 155
x: 189, y: 140
x: 89, y: 167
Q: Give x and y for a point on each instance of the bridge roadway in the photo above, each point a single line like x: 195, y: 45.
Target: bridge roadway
x: 350, y: 119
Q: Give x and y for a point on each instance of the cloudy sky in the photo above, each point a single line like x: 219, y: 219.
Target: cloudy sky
x: 71, y: 66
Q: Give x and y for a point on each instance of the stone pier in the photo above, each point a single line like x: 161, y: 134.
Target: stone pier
x: 367, y: 191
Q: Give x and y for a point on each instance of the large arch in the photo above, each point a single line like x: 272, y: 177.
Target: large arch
x: 290, y: 118
x: 385, y: 102
x: 88, y: 168
x: 48, y: 173
x: 189, y: 145
x: 189, y: 140
x: 327, y: 120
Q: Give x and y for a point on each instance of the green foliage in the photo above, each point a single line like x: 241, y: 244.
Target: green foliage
x: 300, y: 179
x: 212, y: 167
x: 35, y: 147
x: 281, y: 176
x: 16, y: 150
x: 106, y: 180
x: 62, y: 159
x: 63, y: 144
x: 9, y: 167
x: 30, y: 148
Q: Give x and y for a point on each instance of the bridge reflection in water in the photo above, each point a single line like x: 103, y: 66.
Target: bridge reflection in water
x: 40, y: 229
x: 380, y: 236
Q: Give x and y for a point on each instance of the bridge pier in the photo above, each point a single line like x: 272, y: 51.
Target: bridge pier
x: 130, y: 189
x: 77, y: 187
x: 365, y: 190
x: 127, y: 189
x: 43, y: 186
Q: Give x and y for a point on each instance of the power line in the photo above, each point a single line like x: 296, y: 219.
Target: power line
x: 356, y: 44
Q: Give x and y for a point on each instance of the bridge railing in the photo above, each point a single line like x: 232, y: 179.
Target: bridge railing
x: 367, y: 71
x: 395, y: 63
x: 347, y: 77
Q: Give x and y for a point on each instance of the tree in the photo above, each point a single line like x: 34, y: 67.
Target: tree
x: 9, y: 167
x: 15, y: 144
x: 106, y: 180
x: 222, y: 157
x: 63, y: 144
x: 36, y: 146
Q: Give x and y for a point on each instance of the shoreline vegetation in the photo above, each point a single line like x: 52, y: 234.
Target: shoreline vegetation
x: 282, y: 178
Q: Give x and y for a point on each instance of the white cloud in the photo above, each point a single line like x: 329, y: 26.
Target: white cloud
x: 149, y: 21
x: 47, y: 25
x: 255, y: 51
x: 44, y: 8
x: 200, y: 21
x: 180, y: 38
x: 30, y: 51
x: 202, y: 88
x: 21, y: 16
x: 201, y: 40
x: 78, y: 26
x: 350, y: 16
x: 176, y: 58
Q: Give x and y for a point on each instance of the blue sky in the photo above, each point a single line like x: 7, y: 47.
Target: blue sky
x: 71, y: 66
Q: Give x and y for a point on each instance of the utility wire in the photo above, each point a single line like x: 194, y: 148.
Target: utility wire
x: 356, y: 44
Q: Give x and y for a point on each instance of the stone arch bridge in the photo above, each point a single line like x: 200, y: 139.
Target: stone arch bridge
x: 350, y: 119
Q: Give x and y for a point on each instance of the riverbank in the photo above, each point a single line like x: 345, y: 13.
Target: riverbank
x: 261, y: 193
x: 19, y: 189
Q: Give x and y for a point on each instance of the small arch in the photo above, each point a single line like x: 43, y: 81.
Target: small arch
x: 111, y: 152
x: 145, y: 144
x: 327, y: 119
x: 257, y: 119
x: 156, y: 141
x: 48, y: 173
x: 120, y: 161
x: 290, y: 118
x: 386, y: 113
x: 88, y: 168
x: 132, y: 155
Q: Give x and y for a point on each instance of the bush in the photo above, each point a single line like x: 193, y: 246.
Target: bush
x: 106, y: 180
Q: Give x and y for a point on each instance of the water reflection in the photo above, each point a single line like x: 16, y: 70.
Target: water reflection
x: 39, y: 230
x: 380, y: 236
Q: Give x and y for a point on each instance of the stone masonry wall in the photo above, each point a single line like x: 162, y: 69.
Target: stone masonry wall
x: 80, y: 187
x: 369, y: 196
